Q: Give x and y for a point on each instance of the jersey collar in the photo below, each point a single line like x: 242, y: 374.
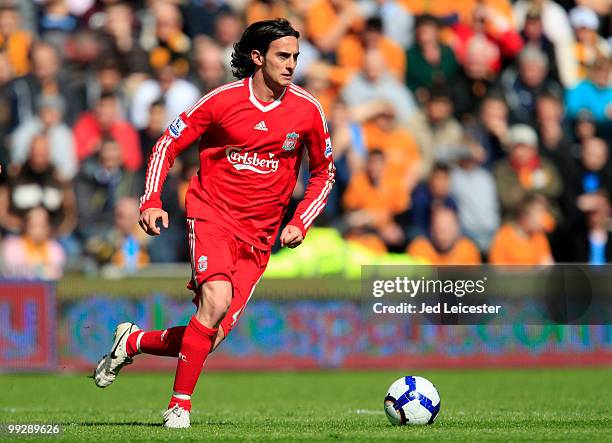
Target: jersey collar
x: 258, y: 104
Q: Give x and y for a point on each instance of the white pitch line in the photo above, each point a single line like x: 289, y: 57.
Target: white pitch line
x: 367, y: 411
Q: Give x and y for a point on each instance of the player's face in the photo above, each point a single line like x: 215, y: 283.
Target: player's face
x: 281, y: 59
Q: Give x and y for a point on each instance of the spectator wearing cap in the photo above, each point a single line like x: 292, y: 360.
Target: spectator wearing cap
x: 473, y: 188
x: 593, y: 94
x: 576, y: 56
x: 533, y: 35
x: 435, y: 129
x: 428, y: 60
x: 35, y: 254
x: 444, y: 244
x: 106, y: 121
x: 375, y: 83
x: 15, y: 40
x: 525, y: 172
x: 49, y: 121
x: 555, y: 21
x: 523, y: 241
x: 523, y: 85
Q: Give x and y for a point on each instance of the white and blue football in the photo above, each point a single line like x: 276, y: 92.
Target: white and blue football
x: 412, y: 400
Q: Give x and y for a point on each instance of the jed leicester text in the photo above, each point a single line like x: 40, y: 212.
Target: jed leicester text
x: 438, y: 308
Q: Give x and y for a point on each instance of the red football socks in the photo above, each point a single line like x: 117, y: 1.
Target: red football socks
x: 197, y: 342
x: 166, y: 343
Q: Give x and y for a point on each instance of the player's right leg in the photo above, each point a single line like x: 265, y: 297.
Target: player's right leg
x: 198, y: 340
x: 212, y: 253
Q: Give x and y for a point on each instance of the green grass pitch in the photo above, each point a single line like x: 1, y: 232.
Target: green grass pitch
x: 477, y: 405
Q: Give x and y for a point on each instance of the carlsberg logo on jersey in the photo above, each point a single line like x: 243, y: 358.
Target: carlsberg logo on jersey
x: 262, y: 164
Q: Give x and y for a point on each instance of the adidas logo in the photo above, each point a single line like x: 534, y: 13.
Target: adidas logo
x: 261, y: 126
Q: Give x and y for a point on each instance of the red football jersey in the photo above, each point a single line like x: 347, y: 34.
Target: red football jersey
x: 250, y: 155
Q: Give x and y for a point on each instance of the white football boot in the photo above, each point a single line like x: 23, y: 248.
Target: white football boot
x: 110, y: 364
x: 176, y: 418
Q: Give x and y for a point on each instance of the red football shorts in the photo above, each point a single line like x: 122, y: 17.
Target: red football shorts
x: 217, y: 254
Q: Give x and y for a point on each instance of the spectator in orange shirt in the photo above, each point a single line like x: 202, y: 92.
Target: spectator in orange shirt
x: 351, y: 50
x: 401, y: 151
x: 328, y: 23
x: 34, y: 254
x: 372, y: 198
x: 14, y: 40
x: 523, y: 242
x: 446, y: 245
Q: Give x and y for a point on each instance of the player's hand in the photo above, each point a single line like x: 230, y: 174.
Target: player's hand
x: 148, y: 220
x: 291, y: 237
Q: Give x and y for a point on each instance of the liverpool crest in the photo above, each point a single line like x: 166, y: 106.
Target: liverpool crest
x: 202, y: 263
x: 291, y: 141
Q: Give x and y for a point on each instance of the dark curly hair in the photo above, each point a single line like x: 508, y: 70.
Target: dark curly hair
x: 258, y: 36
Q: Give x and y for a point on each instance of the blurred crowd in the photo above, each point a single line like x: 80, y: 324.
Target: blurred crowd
x: 464, y: 132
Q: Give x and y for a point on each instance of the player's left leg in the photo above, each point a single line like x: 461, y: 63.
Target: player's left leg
x: 129, y: 341
x: 110, y: 364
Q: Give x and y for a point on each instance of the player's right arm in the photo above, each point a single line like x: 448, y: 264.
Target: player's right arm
x: 177, y: 137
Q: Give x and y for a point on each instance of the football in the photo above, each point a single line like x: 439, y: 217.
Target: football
x: 412, y: 400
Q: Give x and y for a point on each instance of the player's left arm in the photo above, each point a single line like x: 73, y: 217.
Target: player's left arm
x: 320, y: 183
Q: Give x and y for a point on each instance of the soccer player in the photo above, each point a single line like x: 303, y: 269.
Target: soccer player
x: 253, y: 133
